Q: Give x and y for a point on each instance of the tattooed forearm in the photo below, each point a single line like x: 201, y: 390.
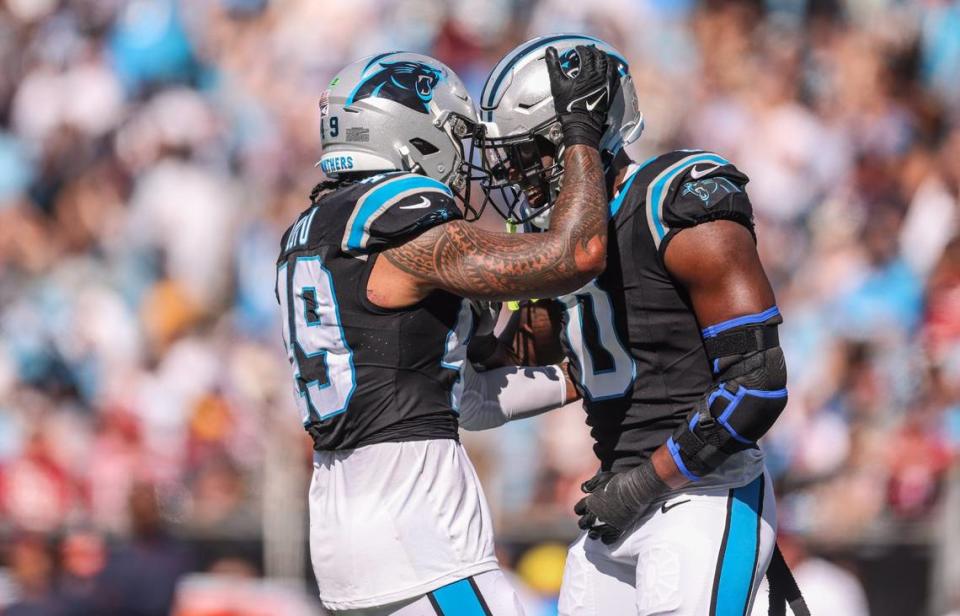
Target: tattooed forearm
x: 580, y: 214
x: 472, y: 262
x: 467, y: 261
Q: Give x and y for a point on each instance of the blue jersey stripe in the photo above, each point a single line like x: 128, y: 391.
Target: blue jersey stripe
x: 750, y: 319
x: 660, y: 186
x: 458, y: 599
x: 649, y: 160
x: 379, y: 196
x: 739, y: 560
x: 625, y: 187
x: 618, y: 200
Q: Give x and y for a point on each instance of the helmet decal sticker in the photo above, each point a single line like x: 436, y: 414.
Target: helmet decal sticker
x: 324, y: 103
x: 570, y: 62
x: 409, y: 83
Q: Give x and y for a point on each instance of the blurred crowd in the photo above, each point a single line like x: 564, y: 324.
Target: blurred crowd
x: 153, y: 151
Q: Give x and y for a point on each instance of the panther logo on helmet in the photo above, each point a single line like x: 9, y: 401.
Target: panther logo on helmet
x: 570, y: 62
x: 409, y: 83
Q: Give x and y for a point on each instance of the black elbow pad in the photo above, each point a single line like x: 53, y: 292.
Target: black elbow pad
x: 749, y: 398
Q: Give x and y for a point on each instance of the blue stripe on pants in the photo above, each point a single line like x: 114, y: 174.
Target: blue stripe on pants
x: 738, y: 558
x: 458, y: 599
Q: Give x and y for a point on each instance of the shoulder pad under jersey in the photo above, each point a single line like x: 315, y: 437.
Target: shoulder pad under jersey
x: 395, y: 207
x: 685, y: 188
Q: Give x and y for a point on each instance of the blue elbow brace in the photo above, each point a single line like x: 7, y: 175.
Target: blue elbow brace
x: 750, y: 394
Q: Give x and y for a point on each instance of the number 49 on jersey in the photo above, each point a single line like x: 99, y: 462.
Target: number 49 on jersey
x: 313, y: 334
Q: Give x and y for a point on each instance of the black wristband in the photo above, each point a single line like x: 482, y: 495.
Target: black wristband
x: 581, y: 129
x: 642, y: 485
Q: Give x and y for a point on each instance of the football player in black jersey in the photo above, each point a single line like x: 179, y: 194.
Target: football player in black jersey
x: 371, y: 281
x: 673, y: 347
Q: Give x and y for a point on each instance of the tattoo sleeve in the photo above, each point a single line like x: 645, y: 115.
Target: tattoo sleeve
x: 475, y: 263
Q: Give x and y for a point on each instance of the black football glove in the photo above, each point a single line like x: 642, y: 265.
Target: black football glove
x: 582, y: 101
x: 614, y: 501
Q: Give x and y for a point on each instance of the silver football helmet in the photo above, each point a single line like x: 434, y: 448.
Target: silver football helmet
x: 523, y: 146
x: 398, y: 111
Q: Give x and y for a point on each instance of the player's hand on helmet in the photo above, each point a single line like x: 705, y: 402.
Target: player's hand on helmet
x: 583, y: 100
x: 615, y: 501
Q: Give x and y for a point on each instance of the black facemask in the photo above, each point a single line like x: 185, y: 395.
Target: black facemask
x: 519, y: 185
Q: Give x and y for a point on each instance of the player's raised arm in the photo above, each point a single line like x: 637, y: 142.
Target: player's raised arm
x: 469, y: 261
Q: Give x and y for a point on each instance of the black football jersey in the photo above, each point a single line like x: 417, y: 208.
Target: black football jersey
x: 634, y: 343
x: 363, y: 374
